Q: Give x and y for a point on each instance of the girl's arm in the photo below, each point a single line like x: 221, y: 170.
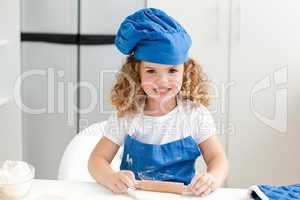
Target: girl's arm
x: 217, y: 168
x: 215, y: 159
x: 100, y: 169
x: 100, y: 159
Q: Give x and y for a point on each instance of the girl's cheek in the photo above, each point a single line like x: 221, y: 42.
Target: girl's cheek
x: 149, y: 77
x: 148, y: 88
x: 176, y: 85
x: 175, y: 88
x: 147, y: 84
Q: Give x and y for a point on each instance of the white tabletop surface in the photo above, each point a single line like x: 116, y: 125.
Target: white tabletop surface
x: 71, y: 190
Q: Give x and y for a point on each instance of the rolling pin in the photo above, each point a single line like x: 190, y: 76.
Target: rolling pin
x: 163, y: 186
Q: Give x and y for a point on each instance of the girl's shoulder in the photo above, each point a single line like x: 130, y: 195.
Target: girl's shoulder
x: 191, y: 108
x: 197, y: 121
x: 121, y: 121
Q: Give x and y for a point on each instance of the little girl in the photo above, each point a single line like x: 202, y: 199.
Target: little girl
x: 162, y: 120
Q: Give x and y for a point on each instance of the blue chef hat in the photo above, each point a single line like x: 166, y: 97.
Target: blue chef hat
x: 151, y: 35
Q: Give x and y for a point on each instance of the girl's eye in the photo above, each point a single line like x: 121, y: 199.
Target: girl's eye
x: 173, y: 70
x: 151, y: 71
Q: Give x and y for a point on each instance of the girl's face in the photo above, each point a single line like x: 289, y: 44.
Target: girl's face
x: 160, y: 81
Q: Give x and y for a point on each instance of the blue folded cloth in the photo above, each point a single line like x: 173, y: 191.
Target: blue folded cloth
x: 269, y: 192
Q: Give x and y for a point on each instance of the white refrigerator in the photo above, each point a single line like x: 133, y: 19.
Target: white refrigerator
x: 69, y: 62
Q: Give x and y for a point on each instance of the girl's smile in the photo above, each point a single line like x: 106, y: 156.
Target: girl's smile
x: 162, y: 91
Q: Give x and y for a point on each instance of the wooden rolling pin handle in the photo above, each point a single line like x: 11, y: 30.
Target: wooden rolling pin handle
x: 162, y: 186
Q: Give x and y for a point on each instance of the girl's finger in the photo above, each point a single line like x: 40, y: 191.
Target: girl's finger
x: 113, y: 188
x: 122, y: 187
x: 202, y: 181
x: 207, y: 192
x: 202, y: 189
x: 116, y: 189
x: 209, y: 182
x: 195, y: 180
x: 213, y: 186
x: 126, y: 180
x: 130, y: 174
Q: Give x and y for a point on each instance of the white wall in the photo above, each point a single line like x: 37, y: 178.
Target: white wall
x: 264, y: 101
x: 10, y: 117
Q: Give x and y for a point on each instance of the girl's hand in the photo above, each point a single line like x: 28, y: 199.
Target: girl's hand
x: 120, y: 181
x: 202, y: 184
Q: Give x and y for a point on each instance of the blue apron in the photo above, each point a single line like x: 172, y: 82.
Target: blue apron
x: 173, y: 161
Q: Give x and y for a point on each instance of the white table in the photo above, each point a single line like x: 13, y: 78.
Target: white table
x: 68, y: 190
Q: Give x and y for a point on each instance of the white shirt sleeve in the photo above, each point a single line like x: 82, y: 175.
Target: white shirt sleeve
x: 204, y: 125
x: 115, y: 129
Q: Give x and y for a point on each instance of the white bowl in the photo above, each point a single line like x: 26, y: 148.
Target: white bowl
x: 18, y: 189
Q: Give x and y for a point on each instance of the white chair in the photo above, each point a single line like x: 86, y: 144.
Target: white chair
x: 74, y: 162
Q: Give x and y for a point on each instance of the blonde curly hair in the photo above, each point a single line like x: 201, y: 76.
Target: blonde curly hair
x: 128, y: 96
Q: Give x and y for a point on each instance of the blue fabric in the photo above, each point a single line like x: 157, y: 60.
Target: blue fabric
x: 151, y: 35
x: 290, y: 192
x: 174, y: 161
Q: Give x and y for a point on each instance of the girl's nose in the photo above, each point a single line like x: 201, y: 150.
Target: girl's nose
x: 163, y: 79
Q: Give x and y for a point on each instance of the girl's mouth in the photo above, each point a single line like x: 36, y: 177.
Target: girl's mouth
x: 162, y: 91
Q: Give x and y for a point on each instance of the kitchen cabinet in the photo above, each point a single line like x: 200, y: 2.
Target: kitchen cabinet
x: 50, y: 76
x: 62, y: 48
x: 100, y: 63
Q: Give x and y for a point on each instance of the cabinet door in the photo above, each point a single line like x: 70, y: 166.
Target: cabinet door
x: 50, y: 16
x: 207, y: 23
x: 49, y: 91
x: 99, y: 63
x: 264, y: 101
x: 105, y: 17
x: 98, y: 68
x: 47, y: 134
